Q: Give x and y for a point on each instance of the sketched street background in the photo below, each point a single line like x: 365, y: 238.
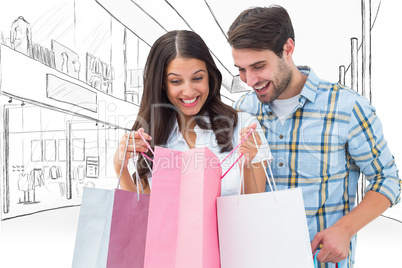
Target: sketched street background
x: 106, y: 43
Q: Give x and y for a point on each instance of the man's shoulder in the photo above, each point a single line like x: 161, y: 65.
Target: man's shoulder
x: 344, y: 95
x: 324, y: 88
x: 248, y: 102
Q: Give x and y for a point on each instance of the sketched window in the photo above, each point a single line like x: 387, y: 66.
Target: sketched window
x: 50, y: 150
x: 36, y: 150
x: 134, y: 85
x: 62, y: 151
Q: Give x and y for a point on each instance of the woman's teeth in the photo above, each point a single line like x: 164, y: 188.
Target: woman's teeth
x: 189, y: 101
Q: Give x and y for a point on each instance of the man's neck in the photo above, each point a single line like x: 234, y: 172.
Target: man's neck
x: 296, y: 84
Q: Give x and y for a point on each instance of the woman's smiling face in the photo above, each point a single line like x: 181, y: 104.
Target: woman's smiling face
x: 186, y: 84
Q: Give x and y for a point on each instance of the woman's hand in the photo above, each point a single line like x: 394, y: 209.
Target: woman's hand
x: 254, y: 175
x: 140, y: 146
x: 248, y: 147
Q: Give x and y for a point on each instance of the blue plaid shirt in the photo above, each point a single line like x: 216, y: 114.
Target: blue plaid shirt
x: 331, y: 136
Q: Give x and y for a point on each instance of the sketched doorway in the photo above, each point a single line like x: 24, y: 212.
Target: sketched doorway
x: 82, y: 156
x: 35, y: 176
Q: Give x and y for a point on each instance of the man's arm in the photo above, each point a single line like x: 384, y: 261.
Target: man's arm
x: 367, y: 147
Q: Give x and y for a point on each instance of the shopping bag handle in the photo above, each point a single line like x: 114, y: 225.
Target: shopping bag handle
x: 262, y: 162
x: 266, y: 174
x: 146, y: 156
x: 231, y: 152
x: 265, y: 171
x: 135, y: 160
x: 315, y: 259
x: 148, y: 146
x: 234, y: 149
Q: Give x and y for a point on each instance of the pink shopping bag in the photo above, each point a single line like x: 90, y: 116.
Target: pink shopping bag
x: 182, y: 223
x: 128, y: 230
x: 111, y: 228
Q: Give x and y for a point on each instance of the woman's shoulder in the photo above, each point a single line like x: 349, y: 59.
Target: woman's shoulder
x: 245, y: 119
x: 245, y: 114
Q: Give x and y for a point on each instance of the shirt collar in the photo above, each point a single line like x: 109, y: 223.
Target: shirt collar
x: 309, y: 90
x: 175, y: 133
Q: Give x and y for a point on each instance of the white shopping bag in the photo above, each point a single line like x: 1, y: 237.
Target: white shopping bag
x: 112, y: 227
x: 264, y: 230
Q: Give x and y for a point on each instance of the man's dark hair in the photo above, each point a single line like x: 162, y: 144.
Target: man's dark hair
x: 262, y: 28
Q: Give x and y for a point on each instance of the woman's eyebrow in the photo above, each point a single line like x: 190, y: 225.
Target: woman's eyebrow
x: 200, y: 70
x: 173, y: 74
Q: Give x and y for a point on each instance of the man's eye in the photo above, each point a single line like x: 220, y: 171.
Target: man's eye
x: 259, y: 66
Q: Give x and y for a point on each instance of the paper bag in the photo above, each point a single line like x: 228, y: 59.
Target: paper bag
x: 264, y: 230
x: 182, y: 225
x: 111, y: 229
x: 112, y: 226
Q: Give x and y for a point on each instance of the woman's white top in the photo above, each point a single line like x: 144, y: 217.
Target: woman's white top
x: 206, y: 138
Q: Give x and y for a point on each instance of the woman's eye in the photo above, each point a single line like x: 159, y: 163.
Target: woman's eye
x: 198, y: 78
x: 174, y: 81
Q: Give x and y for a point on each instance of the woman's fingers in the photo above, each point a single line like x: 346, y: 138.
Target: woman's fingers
x: 135, y: 141
x: 250, y: 139
x: 249, y: 147
x: 140, y: 132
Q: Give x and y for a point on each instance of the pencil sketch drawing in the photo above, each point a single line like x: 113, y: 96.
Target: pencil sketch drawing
x: 71, y: 81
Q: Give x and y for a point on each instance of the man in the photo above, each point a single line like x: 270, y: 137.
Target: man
x: 322, y: 135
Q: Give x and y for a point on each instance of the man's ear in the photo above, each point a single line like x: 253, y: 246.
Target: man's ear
x: 288, y: 48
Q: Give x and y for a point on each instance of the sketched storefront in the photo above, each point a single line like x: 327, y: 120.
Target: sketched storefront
x: 58, y: 135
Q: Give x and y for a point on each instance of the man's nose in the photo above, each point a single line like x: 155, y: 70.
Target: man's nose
x: 250, y: 79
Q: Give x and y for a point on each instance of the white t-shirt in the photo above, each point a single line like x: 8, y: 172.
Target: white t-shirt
x: 206, y: 138
x: 283, y: 108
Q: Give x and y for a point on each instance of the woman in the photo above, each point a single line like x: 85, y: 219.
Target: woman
x: 181, y: 108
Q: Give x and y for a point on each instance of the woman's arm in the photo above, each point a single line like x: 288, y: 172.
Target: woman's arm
x: 254, y: 175
x: 126, y: 182
x: 254, y: 178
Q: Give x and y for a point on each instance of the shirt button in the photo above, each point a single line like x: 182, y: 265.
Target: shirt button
x: 280, y: 164
x: 270, y: 113
x: 281, y: 136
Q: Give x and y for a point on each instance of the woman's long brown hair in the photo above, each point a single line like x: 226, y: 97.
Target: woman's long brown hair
x: 157, y: 115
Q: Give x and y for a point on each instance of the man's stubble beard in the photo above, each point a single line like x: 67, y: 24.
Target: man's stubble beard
x: 282, y: 86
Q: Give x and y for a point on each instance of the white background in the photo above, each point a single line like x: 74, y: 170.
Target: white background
x: 323, y: 30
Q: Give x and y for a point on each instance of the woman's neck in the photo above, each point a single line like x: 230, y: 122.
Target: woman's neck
x: 187, y: 124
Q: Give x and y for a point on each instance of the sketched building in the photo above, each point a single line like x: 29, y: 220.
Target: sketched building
x: 67, y: 96
x: 71, y: 84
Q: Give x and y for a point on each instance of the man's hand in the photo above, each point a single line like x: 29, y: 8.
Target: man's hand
x: 335, y: 241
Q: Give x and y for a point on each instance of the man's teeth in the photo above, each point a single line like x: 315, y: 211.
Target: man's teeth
x: 261, y: 87
x: 189, y: 101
